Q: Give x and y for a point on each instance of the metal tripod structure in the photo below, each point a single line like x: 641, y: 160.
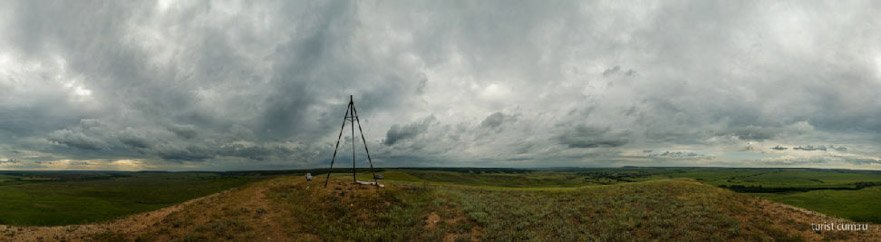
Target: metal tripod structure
x: 351, y: 117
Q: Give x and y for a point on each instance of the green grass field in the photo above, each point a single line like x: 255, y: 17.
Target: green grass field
x: 788, y: 178
x: 858, y: 205
x: 25, y: 200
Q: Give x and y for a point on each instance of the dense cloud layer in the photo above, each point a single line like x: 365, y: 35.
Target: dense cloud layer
x: 222, y: 85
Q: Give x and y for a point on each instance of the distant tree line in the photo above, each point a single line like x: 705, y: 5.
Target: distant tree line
x: 613, y: 176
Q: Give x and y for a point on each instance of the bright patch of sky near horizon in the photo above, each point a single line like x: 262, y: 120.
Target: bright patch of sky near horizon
x: 228, y: 85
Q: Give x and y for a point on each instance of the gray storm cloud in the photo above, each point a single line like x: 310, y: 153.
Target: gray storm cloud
x: 398, y: 133
x: 589, y: 137
x: 220, y: 85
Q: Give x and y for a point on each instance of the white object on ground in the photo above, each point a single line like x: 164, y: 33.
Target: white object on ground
x: 369, y: 183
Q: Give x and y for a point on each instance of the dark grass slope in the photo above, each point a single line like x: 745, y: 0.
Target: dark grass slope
x: 52, y: 199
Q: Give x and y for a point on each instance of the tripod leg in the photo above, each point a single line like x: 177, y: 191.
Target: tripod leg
x: 355, y: 113
x: 352, y: 120
x: 343, y: 127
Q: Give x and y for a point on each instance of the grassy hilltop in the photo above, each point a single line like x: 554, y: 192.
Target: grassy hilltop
x: 464, y: 204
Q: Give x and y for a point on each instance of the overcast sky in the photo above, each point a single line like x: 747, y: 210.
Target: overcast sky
x: 231, y: 85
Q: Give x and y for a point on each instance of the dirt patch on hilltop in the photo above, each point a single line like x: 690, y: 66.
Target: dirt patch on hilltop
x: 431, y: 221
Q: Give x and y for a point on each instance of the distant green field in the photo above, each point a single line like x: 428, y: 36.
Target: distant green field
x: 789, y: 178
x: 90, y: 199
x: 858, y: 205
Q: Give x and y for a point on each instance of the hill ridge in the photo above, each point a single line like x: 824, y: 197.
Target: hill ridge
x: 286, y: 208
